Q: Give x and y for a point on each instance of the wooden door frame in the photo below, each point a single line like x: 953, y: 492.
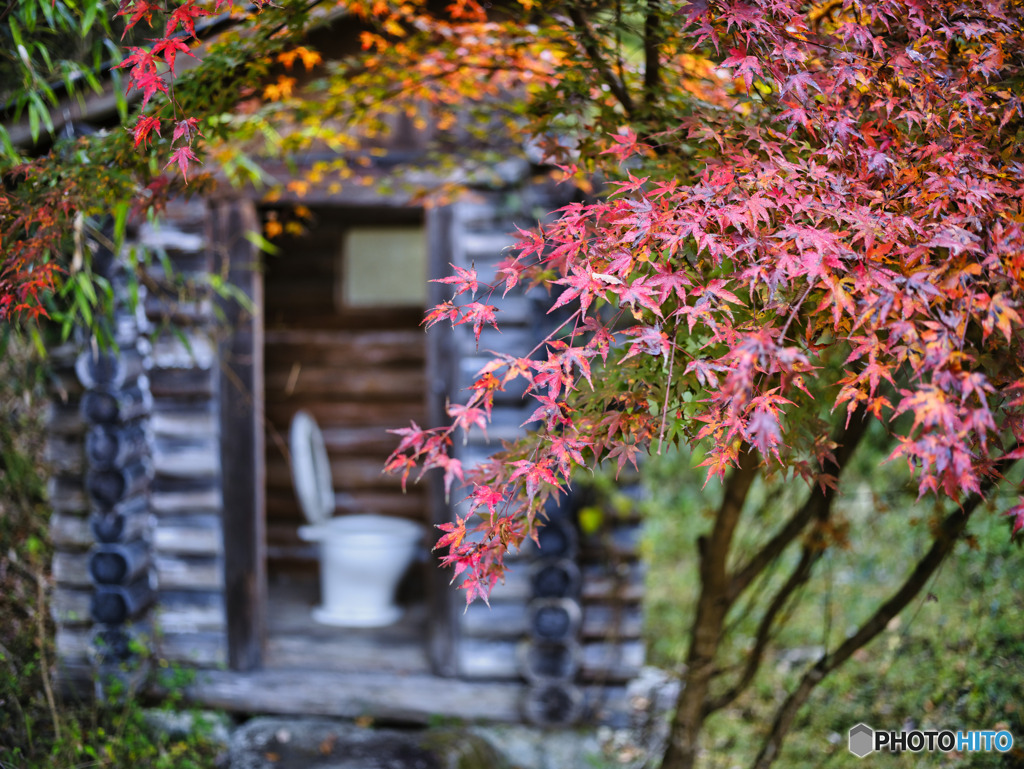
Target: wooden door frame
x: 243, y: 459
x: 242, y: 454
x: 444, y: 621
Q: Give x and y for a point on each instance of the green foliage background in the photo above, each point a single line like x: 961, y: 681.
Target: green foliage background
x: 954, y: 660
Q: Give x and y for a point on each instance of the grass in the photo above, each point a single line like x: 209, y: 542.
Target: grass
x: 954, y: 659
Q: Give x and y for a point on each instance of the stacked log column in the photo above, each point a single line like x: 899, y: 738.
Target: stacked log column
x: 530, y: 631
x: 550, y: 657
x: 115, y: 408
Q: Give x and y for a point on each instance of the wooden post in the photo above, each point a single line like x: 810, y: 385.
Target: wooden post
x: 444, y: 618
x: 241, y: 434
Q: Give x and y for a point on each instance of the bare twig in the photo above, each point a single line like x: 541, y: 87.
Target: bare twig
x: 808, y: 557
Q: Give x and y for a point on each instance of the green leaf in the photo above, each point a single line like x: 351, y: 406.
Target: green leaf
x: 5, y: 140
x: 89, y: 17
x: 33, y: 122
x: 262, y: 243
x: 120, y: 222
x: 19, y: 41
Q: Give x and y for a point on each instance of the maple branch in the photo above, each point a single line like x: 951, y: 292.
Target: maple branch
x: 811, y: 553
x: 794, y: 311
x: 590, y: 46
x: 945, y: 538
x: 668, y: 390
x: 816, y: 506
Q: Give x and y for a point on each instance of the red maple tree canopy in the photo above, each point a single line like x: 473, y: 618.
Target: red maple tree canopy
x: 847, y: 246
x: 812, y: 217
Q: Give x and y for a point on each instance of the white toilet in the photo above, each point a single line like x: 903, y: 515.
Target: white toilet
x: 362, y: 557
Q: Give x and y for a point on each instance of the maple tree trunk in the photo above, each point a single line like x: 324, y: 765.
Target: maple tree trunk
x: 712, y: 608
x: 720, y: 589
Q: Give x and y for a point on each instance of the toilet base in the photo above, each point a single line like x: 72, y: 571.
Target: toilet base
x: 389, y: 615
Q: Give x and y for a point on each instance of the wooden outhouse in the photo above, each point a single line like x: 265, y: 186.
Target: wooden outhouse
x: 175, y: 520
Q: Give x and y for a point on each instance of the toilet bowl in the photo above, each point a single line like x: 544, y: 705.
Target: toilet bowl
x: 362, y: 557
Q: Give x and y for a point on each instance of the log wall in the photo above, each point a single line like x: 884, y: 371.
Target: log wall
x: 186, y: 496
x: 563, y: 631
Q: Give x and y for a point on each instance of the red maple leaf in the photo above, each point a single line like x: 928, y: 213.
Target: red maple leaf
x: 182, y: 156
x: 464, y: 280
x: 137, y: 10
x: 185, y: 16
x: 744, y: 66
x: 147, y: 124
x: 169, y: 48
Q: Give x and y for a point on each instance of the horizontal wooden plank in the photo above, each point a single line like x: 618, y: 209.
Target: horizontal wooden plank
x: 329, y: 412
x: 336, y: 381
x: 513, y: 341
x: 186, y: 457
x: 610, y: 621
x: 189, y: 572
x: 499, y: 620
x: 349, y: 473
x: 344, y: 347
x: 199, y: 422
x: 283, y: 506
x: 600, y: 661
x: 606, y: 589
x: 488, y: 659
x: 193, y: 266
x: 167, y: 237
x: 74, y: 645
x: 189, y: 348
x: 198, y: 534
x: 182, y: 383
x: 64, y: 417
x: 482, y: 248
x: 601, y: 582
x: 71, y: 569
x: 414, y: 698
x: 360, y: 440
x: 70, y: 532
x: 202, y: 649
x: 190, y: 611
x: 169, y: 307
x: 170, y: 501
x: 70, y: 607
x: 515, y: 587
x: 355, y: 654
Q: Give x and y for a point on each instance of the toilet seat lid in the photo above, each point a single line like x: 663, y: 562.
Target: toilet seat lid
x: 311, y: 470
